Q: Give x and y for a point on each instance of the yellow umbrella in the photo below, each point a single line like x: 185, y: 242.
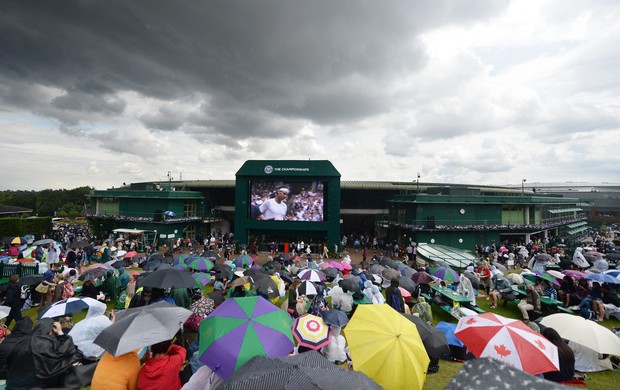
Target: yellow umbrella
x: 387, y: 347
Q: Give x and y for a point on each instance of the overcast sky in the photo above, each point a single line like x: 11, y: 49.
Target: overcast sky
x: 99, y: 93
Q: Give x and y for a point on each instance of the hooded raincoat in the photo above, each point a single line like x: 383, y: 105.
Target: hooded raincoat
x: 373, y: 293
x: 86, y: 331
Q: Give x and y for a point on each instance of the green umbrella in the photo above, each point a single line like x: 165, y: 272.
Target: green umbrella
x: 200, y: 263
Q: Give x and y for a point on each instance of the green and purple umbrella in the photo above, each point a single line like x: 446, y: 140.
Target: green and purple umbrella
x: 445, y: 273
x: 241, y: 328
x: 244, y: 261
x: 199, y: 263
x: 202, y: 278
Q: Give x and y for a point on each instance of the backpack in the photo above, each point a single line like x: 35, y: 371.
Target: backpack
x: 24, y: 292
x: 397, y: 301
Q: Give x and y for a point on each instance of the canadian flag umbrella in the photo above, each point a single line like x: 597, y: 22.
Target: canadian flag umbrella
x: 509, y: 341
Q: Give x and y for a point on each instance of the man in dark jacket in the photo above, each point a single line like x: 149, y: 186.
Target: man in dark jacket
x: 14, y: 300
x: 21, y: 330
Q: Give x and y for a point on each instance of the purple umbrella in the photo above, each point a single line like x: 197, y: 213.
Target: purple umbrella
x: 574, y: 274
x: 241, y: 328
x: 202, y: 278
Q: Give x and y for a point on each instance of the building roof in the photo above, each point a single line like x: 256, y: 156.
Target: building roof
x: 6, y: 209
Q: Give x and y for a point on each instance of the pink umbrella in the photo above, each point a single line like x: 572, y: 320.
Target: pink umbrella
x: 346, y: 266
x: 406, y: 294
x: 335, y: 264
x: 324, y: 266
x: 503, y: 249
x: 574, y: 274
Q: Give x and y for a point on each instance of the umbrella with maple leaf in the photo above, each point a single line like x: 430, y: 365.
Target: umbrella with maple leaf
x: 508, y: 340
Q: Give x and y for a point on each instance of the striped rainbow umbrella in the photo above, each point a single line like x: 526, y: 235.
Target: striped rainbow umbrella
x: 310, y: 331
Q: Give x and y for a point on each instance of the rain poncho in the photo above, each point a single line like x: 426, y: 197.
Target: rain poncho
x: 111, y: 286
x: 84, y: 332
x: 123, y: 278
x: 424, y: 309
x: 373, y: 293
x: 579, y: 260
x: 336, y: 350
x: 466, y: 289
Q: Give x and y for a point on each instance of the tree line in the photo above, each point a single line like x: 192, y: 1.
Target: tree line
x: 50, y: 203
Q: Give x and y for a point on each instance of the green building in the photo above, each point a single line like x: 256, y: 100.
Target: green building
x: 463, y: 217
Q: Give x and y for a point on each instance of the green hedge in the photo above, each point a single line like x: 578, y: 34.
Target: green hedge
x: 22, y: 226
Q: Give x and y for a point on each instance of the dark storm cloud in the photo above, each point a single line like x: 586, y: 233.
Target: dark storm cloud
x: 260, y: 62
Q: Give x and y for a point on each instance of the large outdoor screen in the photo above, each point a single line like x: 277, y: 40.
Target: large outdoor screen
x: 281, y: 200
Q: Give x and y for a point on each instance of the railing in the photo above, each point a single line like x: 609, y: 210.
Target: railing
x: 6, y: 270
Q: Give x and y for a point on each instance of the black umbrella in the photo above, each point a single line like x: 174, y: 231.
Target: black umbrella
x: 376, y: 269
x: 406, y: 283
x: 156, y: 256
x: 331, y: 273
x: 93, y: 274
x: 408, y: 272
x: 335, y: 317
x: 350, y: 285
x: 495, y: 375
x: 211, y: 255
x: 265, y: 285
x: 151, y: 265
x: 422, y: 277
x: 433, y: 339
x: 169, y: 278
x: 44, y: 241
x: 475, y: 282
x: 30, y: 280
x: 223, y: 268
x: 308, y: 370
x: 217, y: 298
x: 387, y: 262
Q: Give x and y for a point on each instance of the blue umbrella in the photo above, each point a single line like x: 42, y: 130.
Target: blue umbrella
x: 448, y: 329
x: 169, y: 213
x: 335, y: 317
x: 603, y: 278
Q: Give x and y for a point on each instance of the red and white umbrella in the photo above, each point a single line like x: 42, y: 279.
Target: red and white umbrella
x: 310, y: 331
x: 509, y: 341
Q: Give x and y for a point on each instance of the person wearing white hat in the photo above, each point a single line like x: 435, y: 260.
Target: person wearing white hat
x: 275, y: 208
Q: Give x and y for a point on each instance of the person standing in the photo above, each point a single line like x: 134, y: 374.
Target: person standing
x: 52, y: 254
x: 275, y: 208
x: 14, y: 300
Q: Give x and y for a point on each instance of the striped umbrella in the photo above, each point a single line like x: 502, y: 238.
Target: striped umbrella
x: 307, y: 288
x: 68, y: 306
x: 18, y: 241
x: 200, y: 263
x: 241, y: 328
x: 312, y: 275
x: 202, y: 278
x: 445, y: 273
x: 243, y: 261
x: 310, y: 331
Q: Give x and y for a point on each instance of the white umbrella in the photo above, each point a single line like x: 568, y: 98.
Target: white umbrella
x: 4, y: 311
x: 584, y: 332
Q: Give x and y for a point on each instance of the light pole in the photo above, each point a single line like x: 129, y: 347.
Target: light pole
x: 418, y: 182
x: 523, y: 186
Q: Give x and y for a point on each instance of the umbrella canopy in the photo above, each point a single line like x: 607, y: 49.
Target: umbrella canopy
x: 243, y: 261
x: 218, y: 299
x: 44, y: 241
x: 448, y: 330
x: 544, y: 257
x: 602, y: 278
x: 584, y: 332
x: 387, y: 262
x: 335, y: 317
x: 406, y: 283
x: 201, y: 278
x: 307, y: 288
x: 544, y: 276
x: 212, y: 255
x: 169, y: 278
x: 265, y: 285
x: 613, y: 272
x: 93, y: 273
x: 390, y: 273
x: 500, y: 266
x: 422, y: 277
x: 169, y: 213
x: 132, y: 254
x: 556, y: 274
x: 350, y: 285
x: 142, y: 326
x: 331, y: 273
x: 445, y: 273
x: 310, y: 331
x: 241, y: 328
x: 30, y: 280
x: 155, y: 264
x: 434, y: 340
x: 574, y: 274
x: 407, y: 272
x: 336, y: 264
x: 199, y: 263
x: 79, y: 244
x: 376, y: 269
x: 312, y: 275
x: 405, y: 294
x: 18, y: 241
x: 476, y: 371
x: 508, y: 340
x: 4, y: 311
x: 387, y: 347
x: 67, y: 307
x: 309, y: 370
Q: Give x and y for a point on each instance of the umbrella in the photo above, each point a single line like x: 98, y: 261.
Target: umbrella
x: 544, y: 276
x: 94, y: 273
x: 556, y: 274
x: 405, y: 294
x: 169, y: 213
x: 574, y: 274
x: 350, y: 285
x: 602, y: 278
x: 200, y: 264
x: 30, y: 280
x: 448, y: 330
x: 307, y: 288
x: 335, y: 317
x: 387, y: 262
x: 217, y: 298
x: 223, y: 268
x: 390, y: 273
x: 241, y: 328
x: 434, y: 340
x: 422, y: 277
x: 310, y: 331
x: 500, y: 267
x: 202, y: 279
x: 406, y: 283
x: 312, y: 275
x: 25, y: 260
x: 613, y: 272
x: 331, y: 273
x: 132, y: 254
x: 153, y: 265
x: 543, y: 257
x: 142, y: 326
x: 347, y: 266
x: 584, y: 332
x: 336, y: 265
x: 265, y: 285
x: 495, y: 374
x: 44, y: 241
x: 445, y: 273
x: 79, y: 244
x: 212, y: 255
x: 407, y: 272
x: 309, y: 370
x: 67, y: 307
x: 387, y: 347
x: 508, y: 340
x: 376, y: 269
x: 243, y: 261
x: 18, y: 241
x: 4, y: 311
x: 169, y: 278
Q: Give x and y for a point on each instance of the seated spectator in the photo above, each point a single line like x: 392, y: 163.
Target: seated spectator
x: 162, y: 367
x: 336, y: 350
x: 117, y: 373
x: 21, y: 331
x: 531, y: 302
x: 86, y: 331
x: 424, y: 310
x: 566, y: 358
